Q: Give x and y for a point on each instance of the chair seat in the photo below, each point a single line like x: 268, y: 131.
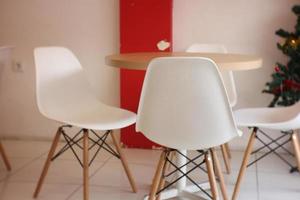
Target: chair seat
x: 281, y: 118
x: 93, y: 115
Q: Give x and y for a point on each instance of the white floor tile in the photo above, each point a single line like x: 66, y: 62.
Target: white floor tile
x: 273, y: 164
x: 110, y: 193
x: 248, y: 190
x: 277, y: 186
x: 61, y: 171
x: 25, y: 149
x: 24, y: 191
x: 268, y: 180
x: 112, y: 174
x: 17, y: 165
x: 141, y: 156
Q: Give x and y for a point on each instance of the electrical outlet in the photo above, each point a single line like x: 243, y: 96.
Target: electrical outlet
x: 17, y: 67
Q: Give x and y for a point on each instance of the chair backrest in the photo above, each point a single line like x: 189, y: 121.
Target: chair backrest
x: 292, y: 114
x: 227, y: 76
x: 60, y: 80
x: 184, y: 105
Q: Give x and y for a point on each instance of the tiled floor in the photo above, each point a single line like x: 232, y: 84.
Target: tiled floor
x: 268, y: 180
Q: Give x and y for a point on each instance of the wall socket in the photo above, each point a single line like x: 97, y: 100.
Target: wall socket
x: 17, y: 67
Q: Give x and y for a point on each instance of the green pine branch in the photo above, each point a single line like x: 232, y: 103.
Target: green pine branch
x: 285, y: 82
x: 283, y: 33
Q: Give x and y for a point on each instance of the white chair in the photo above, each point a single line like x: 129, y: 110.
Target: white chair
x: 63, y: 95
x: 5, y: 59
x: 229, y: 84
x: 184, y: 106
x: 284, y: 119
x: 227, y: 76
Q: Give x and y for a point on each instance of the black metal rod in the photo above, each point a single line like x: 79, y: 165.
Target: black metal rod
x: 267, y: 153
x: 71, y: 147
x: 192, y: 161
x: 112, y: 151
x: 97, y: 142
x: 64, y: 149
x: 100, y: 146
x: 172, y: 172
x: 266, y: 135
x: 185, y: 175
x: 66, y: 146
x: 99, y: 138
x: 106, y: 149
x: 71, y: 140
x: 276, y: 153
x: 268, y: 144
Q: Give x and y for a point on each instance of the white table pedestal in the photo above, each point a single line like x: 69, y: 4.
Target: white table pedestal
x: 182, y: 190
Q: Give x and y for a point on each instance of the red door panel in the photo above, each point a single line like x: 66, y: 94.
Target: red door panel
x: 143, y: 23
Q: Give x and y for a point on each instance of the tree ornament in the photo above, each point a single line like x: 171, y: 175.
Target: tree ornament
x: 291, y: 84
x: 292, y: 42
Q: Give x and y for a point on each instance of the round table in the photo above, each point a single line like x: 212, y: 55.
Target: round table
x: 140, y: 61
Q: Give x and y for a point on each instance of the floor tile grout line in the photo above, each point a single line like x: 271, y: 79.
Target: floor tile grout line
x: 257, y: 182
x: 93, y: 174
x: 22, y: 167
x: 51, y: 183
x: 6, y: 179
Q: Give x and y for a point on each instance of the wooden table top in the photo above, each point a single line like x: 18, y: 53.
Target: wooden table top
x: 140, y: 61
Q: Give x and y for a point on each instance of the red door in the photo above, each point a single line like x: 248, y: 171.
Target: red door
x: 143, y: 23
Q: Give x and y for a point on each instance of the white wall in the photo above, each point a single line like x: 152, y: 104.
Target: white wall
x: 244, y: 27
x: 89, y: 27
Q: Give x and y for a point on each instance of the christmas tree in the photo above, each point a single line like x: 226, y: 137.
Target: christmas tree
x: 285, y: 83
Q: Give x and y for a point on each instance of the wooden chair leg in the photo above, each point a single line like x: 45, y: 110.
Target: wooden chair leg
x: 211, y: 176
x: 244, y: 164
x: 166, y: 167
x: 228, y: 150
x: 219, y: 173
x: 4, y: 157
x: 296, y: 145
x: 226, y: 159
x: 47, y: 163
x: 124, y: 162
x: 157, y: 176
x: 172, y: 156
x: 85, y: 164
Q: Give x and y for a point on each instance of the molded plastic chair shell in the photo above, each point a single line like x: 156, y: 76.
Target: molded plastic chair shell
x: 63, y: 93
x: 279, y: 118
x: 184, y: 105
x: 227, y: 76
